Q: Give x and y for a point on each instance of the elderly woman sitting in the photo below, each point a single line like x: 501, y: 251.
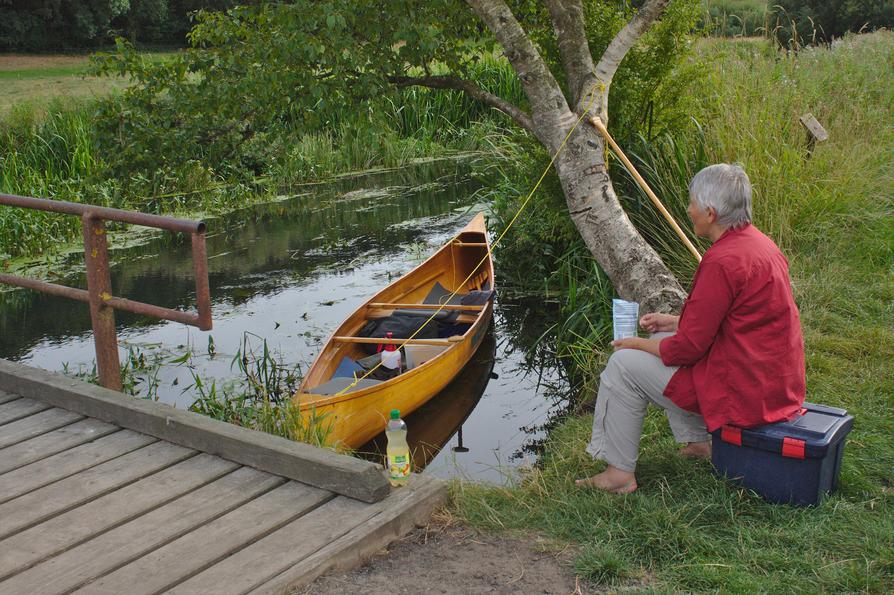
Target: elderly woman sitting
x: 735, y: 354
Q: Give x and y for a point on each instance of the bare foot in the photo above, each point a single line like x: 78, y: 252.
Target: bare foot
x: 611, y: 480
x: 696, y: 450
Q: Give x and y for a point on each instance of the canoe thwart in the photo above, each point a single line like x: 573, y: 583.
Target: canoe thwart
x: 379, y: 340
x: 478, y: 308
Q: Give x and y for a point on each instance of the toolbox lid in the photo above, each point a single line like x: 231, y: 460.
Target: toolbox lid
x: 808, y: 435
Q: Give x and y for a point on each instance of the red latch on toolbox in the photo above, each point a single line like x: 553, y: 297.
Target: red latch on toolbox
x: 793, y: 448
x: 731, y: 434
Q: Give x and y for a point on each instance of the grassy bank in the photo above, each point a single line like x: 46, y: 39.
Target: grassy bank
x: 832, y: 214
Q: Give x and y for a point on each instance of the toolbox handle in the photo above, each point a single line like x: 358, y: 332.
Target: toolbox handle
x: 731, y: 434
x: 793, y: 448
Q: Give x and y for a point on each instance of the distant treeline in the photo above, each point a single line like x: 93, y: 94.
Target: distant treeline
x: 54, y: 25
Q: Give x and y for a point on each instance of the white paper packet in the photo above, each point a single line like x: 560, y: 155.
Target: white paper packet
x: 624, y: 318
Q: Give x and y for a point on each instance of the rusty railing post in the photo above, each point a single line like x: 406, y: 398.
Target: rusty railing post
x: 203, y: 290
x: 99, y: 286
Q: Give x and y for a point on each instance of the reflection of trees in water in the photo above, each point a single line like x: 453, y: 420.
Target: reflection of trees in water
x: 256, y: 251
x: 525, y: 324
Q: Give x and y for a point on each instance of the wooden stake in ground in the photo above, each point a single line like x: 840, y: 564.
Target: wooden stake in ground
x: 598, y: 125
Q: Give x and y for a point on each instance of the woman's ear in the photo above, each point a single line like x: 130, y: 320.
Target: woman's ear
x: 711, y: 212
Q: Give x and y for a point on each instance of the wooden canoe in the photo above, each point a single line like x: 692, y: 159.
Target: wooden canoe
x: 354, y: 417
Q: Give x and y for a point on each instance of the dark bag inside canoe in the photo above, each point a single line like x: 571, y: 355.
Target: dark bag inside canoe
x: 401, y: 326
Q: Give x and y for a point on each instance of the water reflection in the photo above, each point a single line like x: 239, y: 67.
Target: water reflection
x: 291, y: 272
x: 431, y: 426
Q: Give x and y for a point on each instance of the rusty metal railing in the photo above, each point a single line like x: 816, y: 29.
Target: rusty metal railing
x: 99, y: 284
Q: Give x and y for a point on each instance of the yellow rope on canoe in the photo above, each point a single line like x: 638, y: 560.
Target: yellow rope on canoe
x: 489, y: 250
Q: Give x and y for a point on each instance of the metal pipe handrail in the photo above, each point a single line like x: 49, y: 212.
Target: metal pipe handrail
x: 106, y: 213
x: 99, y: 285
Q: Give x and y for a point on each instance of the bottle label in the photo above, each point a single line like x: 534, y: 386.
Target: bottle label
x: 399, y: 466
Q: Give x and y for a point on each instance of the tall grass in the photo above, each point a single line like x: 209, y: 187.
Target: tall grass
x: 833, y: 215
x: 736, y: 18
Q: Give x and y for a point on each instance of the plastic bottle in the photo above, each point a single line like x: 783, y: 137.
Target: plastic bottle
x: 391, y: 358
x: 397, y: 453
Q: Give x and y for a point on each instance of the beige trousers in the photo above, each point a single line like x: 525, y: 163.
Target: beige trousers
x: 631, y: 380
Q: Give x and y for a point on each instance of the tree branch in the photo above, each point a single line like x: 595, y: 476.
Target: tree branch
x: 568, y: 23
x: 625, y: 39
x: 472, y: 90
x: 548, y: 103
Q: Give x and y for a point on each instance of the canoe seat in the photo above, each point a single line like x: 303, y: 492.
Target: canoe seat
x: 416, y: 355
x: 437, y: 295
x: 337, y: 385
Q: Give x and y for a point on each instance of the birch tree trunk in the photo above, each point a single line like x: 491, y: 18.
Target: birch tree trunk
x: 634, y: 268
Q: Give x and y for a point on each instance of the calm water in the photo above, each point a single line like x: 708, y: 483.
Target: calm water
x: 289, y: 272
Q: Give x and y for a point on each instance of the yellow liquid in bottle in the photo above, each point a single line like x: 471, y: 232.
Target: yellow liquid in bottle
x: 397, y: 454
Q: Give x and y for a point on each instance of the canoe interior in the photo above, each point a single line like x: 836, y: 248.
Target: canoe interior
x: 449, y: 266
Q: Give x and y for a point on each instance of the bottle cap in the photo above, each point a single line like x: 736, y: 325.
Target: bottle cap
x: 395, y: 414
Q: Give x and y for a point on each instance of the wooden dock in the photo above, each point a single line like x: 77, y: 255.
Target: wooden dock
x: 103, y: 493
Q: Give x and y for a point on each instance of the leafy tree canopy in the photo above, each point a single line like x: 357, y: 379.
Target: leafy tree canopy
x: 303, y: 65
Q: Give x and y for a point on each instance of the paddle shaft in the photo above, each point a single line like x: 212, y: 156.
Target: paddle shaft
x: 598, y: 125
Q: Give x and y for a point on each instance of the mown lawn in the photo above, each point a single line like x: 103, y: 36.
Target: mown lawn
x: 833, y: 215
x: 30, y: 81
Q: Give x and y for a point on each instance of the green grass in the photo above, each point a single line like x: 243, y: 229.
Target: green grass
x: 736, y: 18
x: 832, y: 214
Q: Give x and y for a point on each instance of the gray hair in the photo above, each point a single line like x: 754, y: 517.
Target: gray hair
x: 725, y: 188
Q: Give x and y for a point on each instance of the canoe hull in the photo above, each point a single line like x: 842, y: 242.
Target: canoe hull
x: 352, y: 419
x: 358, y: 420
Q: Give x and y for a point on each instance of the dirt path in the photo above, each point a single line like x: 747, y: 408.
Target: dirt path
x: 447, y: 558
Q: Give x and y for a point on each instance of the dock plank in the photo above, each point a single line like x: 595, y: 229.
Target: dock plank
x: 410, y: 506
x: 37, y: 424
x: 266, y: 560
x: 6, y: 397
x: 308, y: 464
x: 19, y: 408
x: 70, y: 462
x: 46, y: 445
x: 71, y: 528
x: 125, y: 543
x: 211, y: 543
x: 39, y: 505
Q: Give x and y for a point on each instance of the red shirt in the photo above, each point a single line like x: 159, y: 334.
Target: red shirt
x: 739, y: 343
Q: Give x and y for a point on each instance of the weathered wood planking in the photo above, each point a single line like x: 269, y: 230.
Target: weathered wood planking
x: 86, y: 505
x: 5, y: 397
x: 124, y: 544
x: 411, y: 506
x: 19, y: 408
x: 37, y: 424
x: 50, y: 500
x: 407, y: 508
x: 28, y: 547
x: 211, y: 543
x: 51, y: 443
x: 269, y: 562
x: 295, y: 460
x: 70, y: 462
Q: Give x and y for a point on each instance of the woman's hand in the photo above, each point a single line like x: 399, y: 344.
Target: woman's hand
x: 648, y: 345
x: 659, y: 323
